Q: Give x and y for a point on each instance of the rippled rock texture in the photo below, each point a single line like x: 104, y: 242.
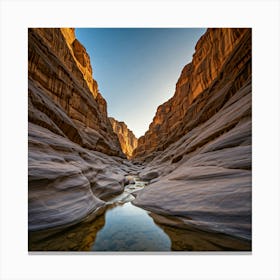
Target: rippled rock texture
x: 196, y: 153
x: 74, y: 157
x: 198, y: 82
x: 126, y: 137
x: 199, y: 142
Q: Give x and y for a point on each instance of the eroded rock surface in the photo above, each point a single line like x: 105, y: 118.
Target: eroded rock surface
x: 62, y: 95
x: 200, y: 140
x: 65, y: 181
x: 190, y: 105
x: 126, y: 137
x: 196, y: 154
x: 74, y: 157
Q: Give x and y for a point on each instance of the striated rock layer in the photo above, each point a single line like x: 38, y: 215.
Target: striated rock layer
x: 185, y: 109
x: 62, y: 95
x: 126, y: 137
x: 198, y: 148
x: 74, y: 157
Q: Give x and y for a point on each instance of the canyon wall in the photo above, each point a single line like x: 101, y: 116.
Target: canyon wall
x: 62, y: 95
x: 198, y: 149
x: 126, y: 137
x: 74, y: 157
x: 186, y: 109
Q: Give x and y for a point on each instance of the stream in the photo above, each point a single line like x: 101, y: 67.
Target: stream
x: 125, y: 227
x: 130, y: 228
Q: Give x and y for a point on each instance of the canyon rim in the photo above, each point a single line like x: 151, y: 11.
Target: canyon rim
x: 185, y: 185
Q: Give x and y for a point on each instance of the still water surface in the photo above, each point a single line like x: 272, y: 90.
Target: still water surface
x: 125, y: 227
x: 129, y: 228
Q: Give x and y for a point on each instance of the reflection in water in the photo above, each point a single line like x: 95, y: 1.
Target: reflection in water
x: 189, y: 238
x: 125, y: 227
x: 79, y: 237
x: 129, y: 228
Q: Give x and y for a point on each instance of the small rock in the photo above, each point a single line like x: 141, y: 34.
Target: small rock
x: 149, y: 176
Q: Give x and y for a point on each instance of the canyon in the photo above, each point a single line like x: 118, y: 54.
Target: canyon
x: 195, y: 159
x: 126, y: 137
x: 201, y: 157
x: 74, y: 157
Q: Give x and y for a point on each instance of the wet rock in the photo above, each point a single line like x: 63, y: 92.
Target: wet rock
x: 129, y: 180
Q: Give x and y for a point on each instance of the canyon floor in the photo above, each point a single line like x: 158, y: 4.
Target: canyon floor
x: 120, y: 226
x: 136, y: 206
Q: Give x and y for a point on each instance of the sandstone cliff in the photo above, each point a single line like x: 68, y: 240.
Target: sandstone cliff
x: 62, y: 95
x: 126, y: 137
x: 72, y: 149
x: 198, y: 148
x: 187, y: 108
x: 197, y: 151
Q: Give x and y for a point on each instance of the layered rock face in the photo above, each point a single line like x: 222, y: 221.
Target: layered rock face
x: 197, y: 151
x: 74, y: 157
x: 186, y: 109
x: 62, y: 95
x: 198, y: 148
x: 126, y: 137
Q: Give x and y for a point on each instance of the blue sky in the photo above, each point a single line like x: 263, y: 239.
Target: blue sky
x: 137, y: 68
